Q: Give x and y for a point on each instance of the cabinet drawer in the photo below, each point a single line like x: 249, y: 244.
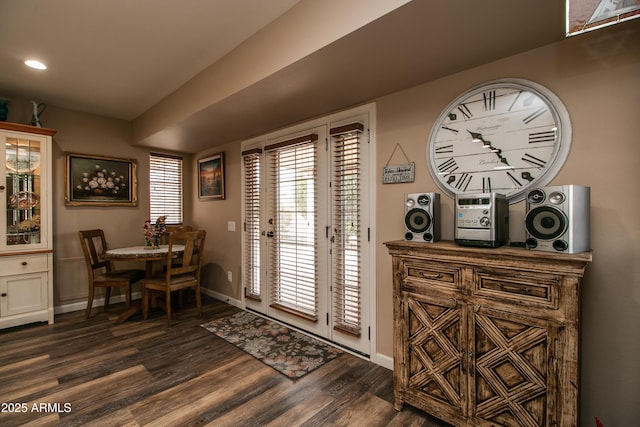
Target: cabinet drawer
x: 541, y: 290
x: 20, y: 264
x: 422, y: 273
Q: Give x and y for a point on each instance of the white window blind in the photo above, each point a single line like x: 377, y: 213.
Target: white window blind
x: 346, y: 207
x: 293, y: 258
x: 251, y: 271
x: 165, y: 187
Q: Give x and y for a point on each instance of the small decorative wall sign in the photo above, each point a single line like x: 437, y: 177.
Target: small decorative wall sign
x: 398, y: 173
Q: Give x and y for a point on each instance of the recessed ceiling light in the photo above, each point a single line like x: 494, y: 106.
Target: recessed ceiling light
x: 35, y: 64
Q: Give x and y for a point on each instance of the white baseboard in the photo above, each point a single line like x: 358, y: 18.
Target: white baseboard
x: 384, y: 361
x: 222, y: 297
x: 99, y: 302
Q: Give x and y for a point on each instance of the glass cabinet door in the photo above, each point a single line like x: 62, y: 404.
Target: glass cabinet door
x: 23, y: 190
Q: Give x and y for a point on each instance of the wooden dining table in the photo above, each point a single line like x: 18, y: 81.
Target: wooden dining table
x: 140, y: 253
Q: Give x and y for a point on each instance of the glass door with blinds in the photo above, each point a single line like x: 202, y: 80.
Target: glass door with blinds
x: 306, y: 230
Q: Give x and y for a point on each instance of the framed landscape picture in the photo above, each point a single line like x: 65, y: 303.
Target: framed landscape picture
x: 587, y: 15
x: 211, y: 177
x: 100, y: 181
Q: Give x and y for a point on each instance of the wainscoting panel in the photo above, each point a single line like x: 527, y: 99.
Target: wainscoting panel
x: 71, y: 280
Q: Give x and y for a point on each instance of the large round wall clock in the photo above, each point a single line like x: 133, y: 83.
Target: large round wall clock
x: 503, y: 136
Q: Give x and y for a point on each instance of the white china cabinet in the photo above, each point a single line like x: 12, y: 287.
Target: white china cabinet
x: 26, y: 242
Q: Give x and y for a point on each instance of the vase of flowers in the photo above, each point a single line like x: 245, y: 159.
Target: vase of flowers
x: 153, y: 232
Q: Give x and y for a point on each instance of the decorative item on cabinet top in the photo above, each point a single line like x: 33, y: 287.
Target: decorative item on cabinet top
x: 38, y: 109
x: 4, y: 109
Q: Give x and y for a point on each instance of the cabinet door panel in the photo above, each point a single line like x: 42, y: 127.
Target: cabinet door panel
x: 23, y: 293
x: 513, y: 369
x: 436, y: 355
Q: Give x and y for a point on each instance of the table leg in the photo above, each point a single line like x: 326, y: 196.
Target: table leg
x: 137, y: 307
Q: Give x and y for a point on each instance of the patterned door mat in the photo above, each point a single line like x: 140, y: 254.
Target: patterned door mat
x: 288, y: 351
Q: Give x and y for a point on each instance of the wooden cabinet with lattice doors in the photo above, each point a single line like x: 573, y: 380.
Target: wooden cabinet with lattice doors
x: 486, y: 337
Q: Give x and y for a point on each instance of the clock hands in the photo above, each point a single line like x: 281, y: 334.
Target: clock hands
x: 477, y: 137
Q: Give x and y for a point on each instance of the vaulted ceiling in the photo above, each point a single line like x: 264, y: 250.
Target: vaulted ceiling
x: 134, y: 60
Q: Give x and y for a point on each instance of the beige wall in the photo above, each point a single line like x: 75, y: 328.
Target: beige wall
x: 597, y: 76
x: 223, y: 247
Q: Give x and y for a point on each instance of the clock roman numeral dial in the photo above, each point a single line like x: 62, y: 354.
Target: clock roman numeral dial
x: 489, y: 100
x: 534, y: 161
x: 448, y: 166
x: 503, y: 136
x: 531, y: 117
x: 465, y: 111
x: 514, y: 179
x: 514, y: 101
x: 546, y: 136
x: 486, y: 184
x: 444, y: 149
x: 463, y: 182
x: 455, y: 131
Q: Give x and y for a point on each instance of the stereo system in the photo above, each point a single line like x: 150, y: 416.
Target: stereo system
x: 482, y: 219
x: 422, y: 217
x: 558, y: 219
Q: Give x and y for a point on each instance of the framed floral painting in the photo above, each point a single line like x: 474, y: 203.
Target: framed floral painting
x: 100, y: 181
x: 211, y: 177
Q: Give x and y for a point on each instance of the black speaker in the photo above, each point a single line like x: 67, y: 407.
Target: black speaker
x: 558, y: 219
x: 422, y: 217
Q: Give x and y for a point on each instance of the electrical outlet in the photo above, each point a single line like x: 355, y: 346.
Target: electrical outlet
x: 229, y: 276
x: 231, y: 226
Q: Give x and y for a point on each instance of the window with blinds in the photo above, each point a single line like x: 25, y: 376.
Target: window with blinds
x: 294, y: 251
x: 346, y: 227
x: 251, y: 276
x: 165, y: 187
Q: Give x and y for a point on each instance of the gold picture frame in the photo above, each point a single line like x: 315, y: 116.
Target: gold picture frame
x: 99, y: 181
x: 211, y: 177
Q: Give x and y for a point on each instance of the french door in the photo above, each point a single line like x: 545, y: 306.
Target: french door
x: 307, y: 249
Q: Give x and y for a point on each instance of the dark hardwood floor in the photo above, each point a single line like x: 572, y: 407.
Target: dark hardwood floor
x: 97, y: 373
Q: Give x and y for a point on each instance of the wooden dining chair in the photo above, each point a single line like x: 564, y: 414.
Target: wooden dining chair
x: 182, y: 272
x: 165, y: 240
x: 172, y: 229
x: 100, y: 271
